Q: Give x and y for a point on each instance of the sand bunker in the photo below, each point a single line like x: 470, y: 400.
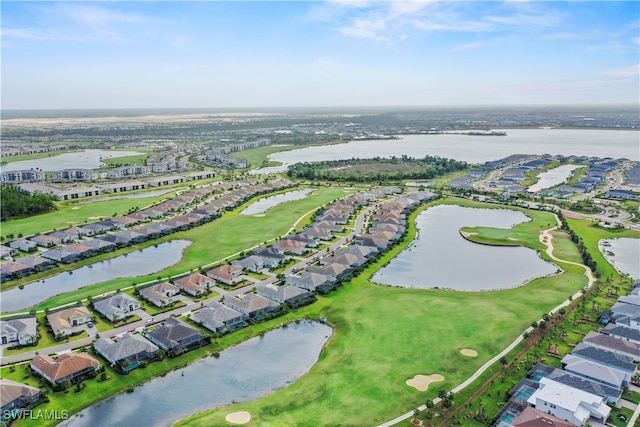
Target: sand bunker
x: 75, y: 208
x: 97, y: 217
x: 468, y: 233
x: 259, y: 215
x: 421, y: 382
x: 469, y: 352
x: 512, y: 238
x: 240, y: 417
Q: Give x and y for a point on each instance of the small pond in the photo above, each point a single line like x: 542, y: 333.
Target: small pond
x: 245, y: 372
x: 138, y: 263
x: 623, y: 254
x: 266, y: 203
x: 440, y: 257
x: 86, y: 159
x: 553, y: 177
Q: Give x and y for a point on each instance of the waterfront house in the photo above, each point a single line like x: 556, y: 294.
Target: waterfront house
x: 15, y: 396
x: 219, y: 318
x: 116, y: 307
x: 13, y: 270
x: 160, y: 294
x: 69, y: 366
x: 314, y: 282
x: 37, y: 262
x: 291, y: 295
x: 23, y: 331
x: 99, y: 246
x: 68, y: 320
x: 177, y: 337
x: 127, y: 352
x: 255, y: 306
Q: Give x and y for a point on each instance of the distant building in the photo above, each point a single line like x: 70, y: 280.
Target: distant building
x: 20, y: 176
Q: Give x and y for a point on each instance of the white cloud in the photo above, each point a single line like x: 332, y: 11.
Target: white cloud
x: 633, y: 70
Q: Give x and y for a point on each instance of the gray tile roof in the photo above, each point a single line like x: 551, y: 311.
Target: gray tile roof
x: 607, y: 357
x: 126, y: 347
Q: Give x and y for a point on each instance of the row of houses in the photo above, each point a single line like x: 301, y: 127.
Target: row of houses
x: 592, y: 377
x: 76, y: 243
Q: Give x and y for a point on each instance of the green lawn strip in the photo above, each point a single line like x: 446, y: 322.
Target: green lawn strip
x: 218, y: 239
x: 258, y: 157
x: 257, y: 276
x: 564, y: 248
x: 620, y: 417
x: 138, y: 159
x: 632, y: 396
x: 384, y: 336
x: 71, y: 214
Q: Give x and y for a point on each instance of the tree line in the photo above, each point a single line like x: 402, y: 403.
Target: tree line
x: 16, y: 203
x: 376, y: 169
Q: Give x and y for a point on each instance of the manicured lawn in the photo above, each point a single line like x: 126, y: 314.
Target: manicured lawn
x: 257, y: 157
x: 71, y: 214
x: 139, y: 159
x: 384, y: 336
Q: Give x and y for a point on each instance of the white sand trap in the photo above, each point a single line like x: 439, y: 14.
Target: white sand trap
x: 75, y: 208
x: 469, y: 352
x: 96, y: 217
x: 422, y: 382
x: 468, y: 233
x: 239, y: 417
x: 512, y: 238
x: 259, y: 215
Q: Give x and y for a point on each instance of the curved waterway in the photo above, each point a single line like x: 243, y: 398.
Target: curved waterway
x: 245, y: 372
x: 553, y: 177
x: 474, y: 149
x: 138, y: 263
x: 440, y: 257
x: 623, y: 254
x: 266, y: 203
x: 86, y: 159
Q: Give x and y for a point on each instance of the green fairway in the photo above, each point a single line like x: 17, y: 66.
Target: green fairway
x: 77, y: 214
x: 258, y: 157
x: 138, y: 159
x: 384, y: 336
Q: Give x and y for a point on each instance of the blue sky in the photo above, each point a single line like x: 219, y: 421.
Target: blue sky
x: 146, y: 54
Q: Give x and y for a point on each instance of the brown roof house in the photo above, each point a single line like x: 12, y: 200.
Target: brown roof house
x: 160, y: 294
x: 227, y: 274
x: 15, y: 396
x: 195, y: 284
x: 253, y: 305
x: 69, y: 320
x: 70, y: 366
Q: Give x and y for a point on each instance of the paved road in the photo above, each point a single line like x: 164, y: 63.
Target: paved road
x: 359, y: 226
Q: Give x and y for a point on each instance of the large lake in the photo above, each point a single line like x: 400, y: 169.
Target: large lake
x: 623, y: 254
x: 266, y: 203
x: 86, y: 159
x: 138, y: 263
x: 476, y: 149
x: 250, y: 370
x: 553, y: 177
x: 441, y: 257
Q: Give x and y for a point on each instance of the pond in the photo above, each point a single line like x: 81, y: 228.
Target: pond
x: 623, y: 254
x: 266, y: 203
x: 138, y: 263
x: 440, y: 257
x: 475, y: 149
x: 553, y: 177
x: 86, y: 159
x: 245, y: 372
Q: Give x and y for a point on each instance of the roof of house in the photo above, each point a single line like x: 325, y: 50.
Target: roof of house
x: 313, y: 279
x: 67, y: 364
x: 613, y: 343
x: 250, y: 303
x: 159, y: 291
x: 62, y: 319
x: 603, y: 356
x: 531, y: 417
x: 594, y: 370
x: 569, y: 398
x: 225, y: 271
x: 22, y: 326
x: 114, y: 303
x: 173, y: 331
x: 216, y: 314
x: 127, y: 345
x: 622, y: 331
x: 193, y: 281
x: 12, y: 390
x: 283, y: 292
x: 584, y: 384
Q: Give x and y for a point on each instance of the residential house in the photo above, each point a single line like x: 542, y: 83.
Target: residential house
x: 314, y: 282
x: 69, y: 366
x: 127, y: 352
x: 68, y: 320
x: 24, y: 245
x: 255, y: 306
x: 63, y: 236
x: 568, y: 403
x: 249, y: 263
x: 618, y: 362
x: 622, y: 332
x: 23, y: 331
x: 533, y: 418
x: 15, y: 396
x: 195, y: 284
x: 611, y: 343
x: 177, y: 337
x: 226, y: 273
x: 291, y: 295
x: 13, y: 270
x: 160, y: 294
x: 332, y: 269
x: 44, y: 240
x: 219, y: 318
x: 269, y: 257
x: 287, y: 246
x: 37, y: 262
x: 99, y: 246
x: 116, y: 307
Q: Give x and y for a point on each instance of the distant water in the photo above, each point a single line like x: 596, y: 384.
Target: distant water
x: 476, y: 149
x: 86, y: 159
x: 623, y: 254
x: 553, y: 177
x: 266, y: 203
